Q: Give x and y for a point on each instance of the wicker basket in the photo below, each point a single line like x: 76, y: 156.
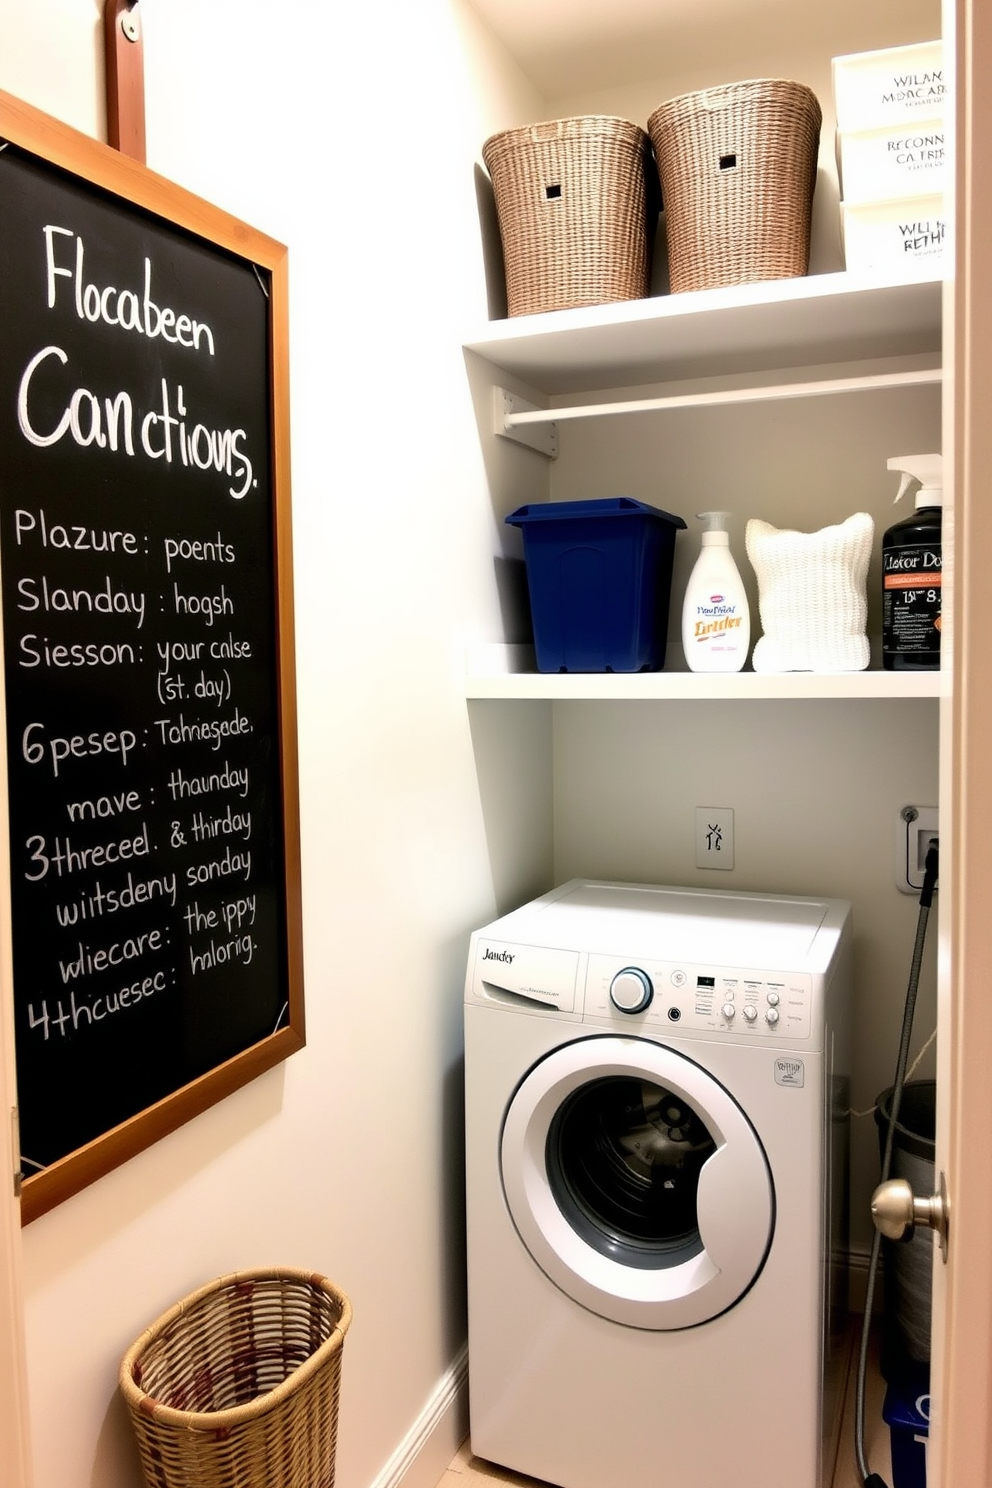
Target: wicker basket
x: 572, y: 198
x: 237, y: 1385
x: 738, y: 168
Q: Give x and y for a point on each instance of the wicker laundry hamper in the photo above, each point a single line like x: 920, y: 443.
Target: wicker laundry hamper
x: 237, y: 1385
x: 577, y: 205
x: 738, y: 170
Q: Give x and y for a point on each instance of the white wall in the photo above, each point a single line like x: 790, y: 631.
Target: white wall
x: 350, y: 132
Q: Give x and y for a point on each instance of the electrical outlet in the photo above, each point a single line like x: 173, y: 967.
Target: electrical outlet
x: 714, y: 837
x: 916, y: 827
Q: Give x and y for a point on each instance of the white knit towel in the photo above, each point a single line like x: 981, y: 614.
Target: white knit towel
x: 811, y: 596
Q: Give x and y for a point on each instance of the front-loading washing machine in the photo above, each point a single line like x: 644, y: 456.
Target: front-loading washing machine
x: 656, y: 1151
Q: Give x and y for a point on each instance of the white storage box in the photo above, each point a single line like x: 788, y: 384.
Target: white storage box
x: 872, y: 89
x: 901, y: 160
x: 894, y: 236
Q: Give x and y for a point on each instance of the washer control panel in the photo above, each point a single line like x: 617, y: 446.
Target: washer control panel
x: 712, y: 999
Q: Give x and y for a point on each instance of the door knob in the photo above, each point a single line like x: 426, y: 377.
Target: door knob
x: 897, y: 1211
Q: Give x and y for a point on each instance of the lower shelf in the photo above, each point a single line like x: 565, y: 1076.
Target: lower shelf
x: 507, y: 672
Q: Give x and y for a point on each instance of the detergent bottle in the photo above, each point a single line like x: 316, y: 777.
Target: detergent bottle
x: 716, y: 622
x: 911, y: 571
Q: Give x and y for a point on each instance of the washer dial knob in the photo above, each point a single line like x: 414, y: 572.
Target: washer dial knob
x: 750, y: 1012
x: 728, y: 1010
x: 771, y: 1016
x: 631, y: 990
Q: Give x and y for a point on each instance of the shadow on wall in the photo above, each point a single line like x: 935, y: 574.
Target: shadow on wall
x: 514, y: 600
x: 116, y: 1463
x: 455, y: 1320
x: 492, y: 247
x: 512, y: 747
x: 514, y: 476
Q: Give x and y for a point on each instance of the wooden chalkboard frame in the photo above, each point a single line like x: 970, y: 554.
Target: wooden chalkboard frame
x: 135, y: 187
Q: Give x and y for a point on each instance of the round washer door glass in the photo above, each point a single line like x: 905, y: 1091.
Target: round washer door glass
x: 637, y: 1183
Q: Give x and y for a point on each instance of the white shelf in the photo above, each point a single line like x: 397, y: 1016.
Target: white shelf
x: 806, y: 322
x: 490, y: 674
x: 724, y: 339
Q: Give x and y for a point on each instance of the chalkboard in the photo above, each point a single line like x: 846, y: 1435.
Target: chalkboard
x: 147, y: 647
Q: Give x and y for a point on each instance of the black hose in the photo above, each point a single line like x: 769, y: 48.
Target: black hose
x: 870, y: 1479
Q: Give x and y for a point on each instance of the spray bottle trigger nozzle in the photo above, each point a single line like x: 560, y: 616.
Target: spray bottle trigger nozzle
x: 904, y: 485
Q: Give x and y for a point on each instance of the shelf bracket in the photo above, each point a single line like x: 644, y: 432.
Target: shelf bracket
x: 542, y: 437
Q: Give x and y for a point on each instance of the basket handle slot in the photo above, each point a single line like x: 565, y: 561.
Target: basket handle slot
x: 728, y: 162
x: 552, y: 193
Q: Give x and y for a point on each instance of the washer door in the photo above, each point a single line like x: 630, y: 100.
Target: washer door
x: 637, y: 1183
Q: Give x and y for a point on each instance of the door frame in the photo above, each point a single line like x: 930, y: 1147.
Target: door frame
x: 961, y: 1447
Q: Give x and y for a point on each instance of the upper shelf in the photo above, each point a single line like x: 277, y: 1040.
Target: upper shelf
x: 812, y: 321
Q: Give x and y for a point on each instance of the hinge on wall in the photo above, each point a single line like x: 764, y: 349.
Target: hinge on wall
x: 542, y: 436
x: 15, y: 1147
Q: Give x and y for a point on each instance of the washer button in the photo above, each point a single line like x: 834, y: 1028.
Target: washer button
x: 772, y: 1016
x: 728, y: 1010
x: 750, y: 1012
x: 678, y: 978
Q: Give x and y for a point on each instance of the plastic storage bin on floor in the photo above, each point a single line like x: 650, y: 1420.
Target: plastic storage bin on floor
x: 600, y: 579
x: 237, y: 1385
x: 906, y: 1412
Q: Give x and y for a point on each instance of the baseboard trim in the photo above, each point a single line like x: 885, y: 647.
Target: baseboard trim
x: 435, y: 1436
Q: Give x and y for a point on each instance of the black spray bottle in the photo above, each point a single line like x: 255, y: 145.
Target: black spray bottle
x: 911, y: 571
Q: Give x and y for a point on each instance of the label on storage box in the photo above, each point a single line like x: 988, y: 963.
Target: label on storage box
x: 894, y: 235
x: 886, y: 87
x: 898, y: 161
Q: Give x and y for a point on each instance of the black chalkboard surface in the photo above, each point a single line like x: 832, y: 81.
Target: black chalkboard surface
x: 150, y: 726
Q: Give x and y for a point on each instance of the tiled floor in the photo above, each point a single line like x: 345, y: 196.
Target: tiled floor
x: 467, y: 1471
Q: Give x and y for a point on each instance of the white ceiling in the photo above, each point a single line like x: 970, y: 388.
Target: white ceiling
x: 568, y: 46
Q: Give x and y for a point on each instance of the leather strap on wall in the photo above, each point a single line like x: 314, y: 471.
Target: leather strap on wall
x: 125, y: 78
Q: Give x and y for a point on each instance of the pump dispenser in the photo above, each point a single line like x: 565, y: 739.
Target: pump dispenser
x: 911, y: 570
x: 716, y: 623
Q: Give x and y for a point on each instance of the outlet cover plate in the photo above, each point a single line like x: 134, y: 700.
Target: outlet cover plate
x: 714, y: 837
x: 912, y: 840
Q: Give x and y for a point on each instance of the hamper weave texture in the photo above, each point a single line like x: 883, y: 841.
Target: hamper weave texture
x: 571, y: 198
x: 738, y: 170
x: 237, y: 1385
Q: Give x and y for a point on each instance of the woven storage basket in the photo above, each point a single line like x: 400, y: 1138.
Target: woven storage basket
x: 738, y: 169
x: 572, y: 198
x: 237, y: 1385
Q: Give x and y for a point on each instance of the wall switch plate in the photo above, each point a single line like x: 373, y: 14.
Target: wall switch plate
x: 714, y: 837
x: 916, y: 826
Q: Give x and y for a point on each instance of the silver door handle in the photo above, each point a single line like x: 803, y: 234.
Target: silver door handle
x: 897, y: 1211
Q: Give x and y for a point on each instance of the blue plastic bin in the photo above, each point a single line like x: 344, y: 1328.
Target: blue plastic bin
x: 906, y: 1412
x: 599, y: 575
